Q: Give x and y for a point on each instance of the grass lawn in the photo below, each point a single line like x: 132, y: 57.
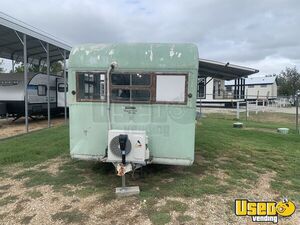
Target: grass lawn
x: 229, y: 163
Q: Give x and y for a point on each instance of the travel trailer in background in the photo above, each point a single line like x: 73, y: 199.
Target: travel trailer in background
x: 258, y: 87
x: 133, y: 104
x: 213, y: 75
x: 12, y: 94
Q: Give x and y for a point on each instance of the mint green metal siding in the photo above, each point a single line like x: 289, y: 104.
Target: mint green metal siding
x: 170, y: 128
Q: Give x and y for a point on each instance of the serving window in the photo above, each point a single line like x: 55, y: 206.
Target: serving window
x: 91, y: 86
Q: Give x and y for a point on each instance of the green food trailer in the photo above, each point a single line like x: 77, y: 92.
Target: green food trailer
x: 133, y: 104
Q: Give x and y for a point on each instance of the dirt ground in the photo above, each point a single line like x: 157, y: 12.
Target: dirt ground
x: 44, y: 205
x: 9, y: 128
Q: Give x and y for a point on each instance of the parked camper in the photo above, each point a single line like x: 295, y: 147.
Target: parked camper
x: 258, y: 87
x: 12, y: 94
x: 133, y: 104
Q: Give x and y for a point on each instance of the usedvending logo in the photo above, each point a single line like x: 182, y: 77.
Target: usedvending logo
x: 264, y: 211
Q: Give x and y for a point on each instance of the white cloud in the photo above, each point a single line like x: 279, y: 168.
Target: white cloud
x: 263, y: 33
x: 273, y: 64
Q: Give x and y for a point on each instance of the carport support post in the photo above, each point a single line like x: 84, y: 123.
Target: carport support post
x: 48, y: 86
x: 25, y: 81
x: 12, y: 66
x: 297, y: 113
x: 256, y: 106
x: 200, y: 108
x: 65, y: 84
x: 247, y: 106
x: 238, y: 110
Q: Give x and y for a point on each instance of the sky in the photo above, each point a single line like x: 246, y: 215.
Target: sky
x: 263, y: 34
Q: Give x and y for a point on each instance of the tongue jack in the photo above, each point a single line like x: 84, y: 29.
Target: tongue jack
x: 124, y: 191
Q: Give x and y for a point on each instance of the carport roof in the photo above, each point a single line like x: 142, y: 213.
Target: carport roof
x: 11, y: 47
x: 225, y: 71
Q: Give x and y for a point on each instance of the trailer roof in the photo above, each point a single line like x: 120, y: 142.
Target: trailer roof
x: 255, y: 80
x: 136, y: 56
x: 11, y: 47
x: 225, y: 71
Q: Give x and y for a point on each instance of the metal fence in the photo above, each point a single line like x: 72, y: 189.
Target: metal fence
x: 281, y: 111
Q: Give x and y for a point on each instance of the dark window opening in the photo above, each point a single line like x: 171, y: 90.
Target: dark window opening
x: 91, y: 86
x: 201, y: 87
x: 120, y: 79
x: 136, y: 87
x: 141, y: 79
x: 140, y: 95
x: 120, y: 95
x: 61, y: 87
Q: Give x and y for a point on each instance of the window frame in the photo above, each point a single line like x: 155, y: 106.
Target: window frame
x: 198, y: 88
x: 135, y: 87
x: 58, y: 88
x: 152, y: 88
x: 78, y: 99
x: 37, y: 90
x: 186, y: 75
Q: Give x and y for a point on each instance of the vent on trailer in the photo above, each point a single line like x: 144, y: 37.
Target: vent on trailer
x: 136, y: 149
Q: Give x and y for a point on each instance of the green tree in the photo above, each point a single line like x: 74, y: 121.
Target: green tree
x: 19, y: 68
x: 288, y: 81
x: 55, y: 68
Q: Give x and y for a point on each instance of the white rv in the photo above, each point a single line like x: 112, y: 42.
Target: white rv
x: 12, y: 96
x: 257, y: 87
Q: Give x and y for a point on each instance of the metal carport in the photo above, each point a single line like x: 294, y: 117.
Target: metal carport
x: 21, y: 42
x: 226, y: 71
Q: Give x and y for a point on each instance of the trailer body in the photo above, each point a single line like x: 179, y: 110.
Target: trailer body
x: 152, y: 99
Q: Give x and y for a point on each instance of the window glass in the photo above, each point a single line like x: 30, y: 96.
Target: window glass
x: 170, y: 88
x: 91, y: 86
x: 42, y: 90
x: 120, y: 79
x: 120, y: 95
x: 138, y: 87
x: 130, y: 95
x: 201, y: 87
x: 140, y: 95
x: 141, y: 79
x: 61, y: 87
